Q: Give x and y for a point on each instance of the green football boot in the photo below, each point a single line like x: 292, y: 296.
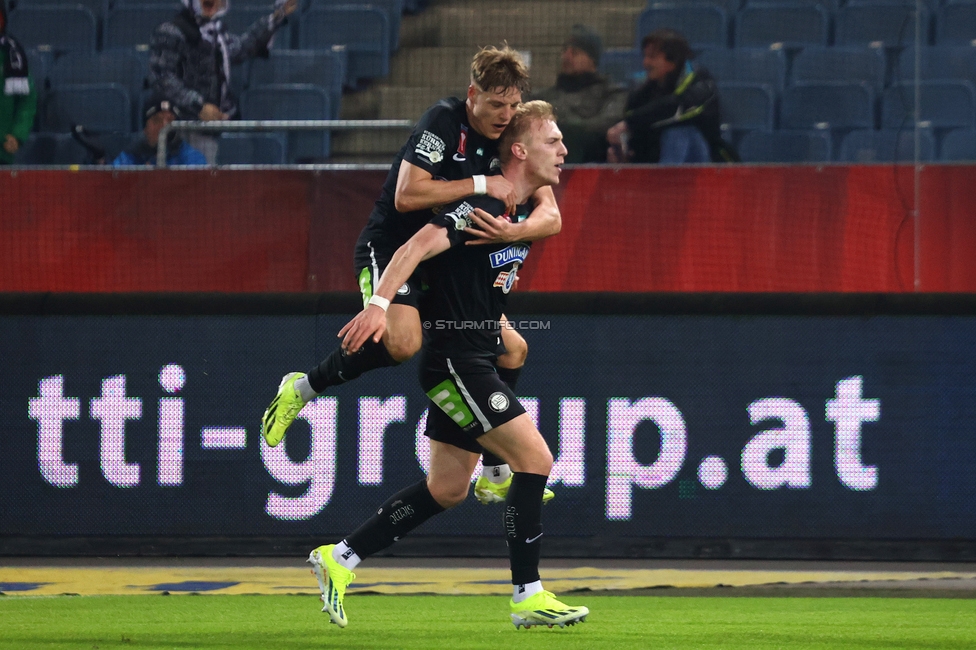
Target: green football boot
x: 488, y: 492
x: 283, y: 409
x: 333, y: 579
x: 544, y: 609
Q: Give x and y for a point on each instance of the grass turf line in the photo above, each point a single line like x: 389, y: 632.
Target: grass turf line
x: 462, y: 622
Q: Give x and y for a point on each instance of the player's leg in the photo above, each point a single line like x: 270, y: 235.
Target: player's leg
x: 519, y: 442
x: 402, y: 340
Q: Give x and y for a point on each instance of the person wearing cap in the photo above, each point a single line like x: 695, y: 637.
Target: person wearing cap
x: 586, y: 103
x: 159, y: 113
x: 674, y: 116
x: 18, y: 96
x: 191, y: 56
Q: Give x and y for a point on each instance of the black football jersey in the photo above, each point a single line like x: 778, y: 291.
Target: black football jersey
x: 444, y: 144
x: 468, y: 285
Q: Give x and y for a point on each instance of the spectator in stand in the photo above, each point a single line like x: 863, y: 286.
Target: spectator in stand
x: 18, y: 96
x: 586, y: 103
x: 674, y: 116
x: 191, y: 55
x: 159, y: 113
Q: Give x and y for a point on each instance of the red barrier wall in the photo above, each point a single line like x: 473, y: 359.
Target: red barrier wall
x: 731, y: 228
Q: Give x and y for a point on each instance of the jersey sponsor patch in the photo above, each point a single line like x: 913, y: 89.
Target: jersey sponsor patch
x: 506, y: 279
x: 460, y: 215
x: 430, y: 147
x: 514, y: 253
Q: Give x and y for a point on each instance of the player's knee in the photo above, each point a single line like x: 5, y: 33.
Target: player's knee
x: 448, y: 493
x: 403, y: 346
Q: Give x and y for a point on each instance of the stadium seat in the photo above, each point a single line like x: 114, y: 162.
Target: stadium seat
x: 39, y: 65
x: 121, y: 67
x: 938, y: 62
x: 102, y: 107
x: 944, y: 105
x: 792, y: 25
x: 889, y: 23
x: 746, y: 107
x: 785, y: 147
x: 317, y: 67
x: 958, y: 145
x: 703, y: 24
x: 855, y: 64
x: 97, y: 7
x: 239, y: 19
x: 132, y: 26
x: 392, y: 8
x: 62, y: 149
x: 55, y: 28
x: 292, y: 102
x: 251, y: 149
x: 623, y: 66
x: 364, y: 30
x: 37, y: 150
x: 729, y: 6
x: 747, y: 65
x: 867, y: 146
x: 828, y: 105
x: 956, y: 24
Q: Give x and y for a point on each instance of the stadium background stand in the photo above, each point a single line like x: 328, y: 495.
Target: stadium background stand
x: 798, y: 76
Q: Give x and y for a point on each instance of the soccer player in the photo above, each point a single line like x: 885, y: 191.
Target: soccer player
x: 475, y: 409
x: 448, y: 156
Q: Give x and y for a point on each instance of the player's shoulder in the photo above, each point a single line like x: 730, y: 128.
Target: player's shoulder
x: 445, y: 113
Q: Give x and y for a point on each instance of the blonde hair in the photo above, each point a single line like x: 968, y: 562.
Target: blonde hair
x: 497, y: 70
x: 525, y: 115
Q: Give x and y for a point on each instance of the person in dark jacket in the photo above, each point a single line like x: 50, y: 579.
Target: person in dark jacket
x: 586, y: 102
x: 18, y: 96
x: 191, y: 55
x: 674, y: 116
x: 158, y: 113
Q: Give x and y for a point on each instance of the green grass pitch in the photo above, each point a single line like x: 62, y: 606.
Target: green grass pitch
x: 462, y: 622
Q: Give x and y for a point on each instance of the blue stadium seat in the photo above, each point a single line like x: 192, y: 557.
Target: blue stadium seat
x: 958, y: 145
x: 132, y: 26
x: 122, y: 67
x: 938, y: 62
x: 793, y: 25
x: 746, y: 107
x: 835, y: 106
x: 39, y: 65
x: 729, y: 6
x: 890, y: 23
x: 239, y: 19
x: 292, y: 102
x: 251, y: 149
x: 623, y: 65
x: 37, y: 150
x: 841, y: 63
x: 703, y: 24
x: 97, y: 7
x: 317, y: 67
x: 55, y: 28
x: 62, y: 149
x: 785, y: 147
x: 392, y: 8
x: 829, y: 5
x: 747, y: 65
x: 99, y: 107
x: 956, y: 24
x: 364, y: 30
x: 944, y: 105
x: 867, y: 146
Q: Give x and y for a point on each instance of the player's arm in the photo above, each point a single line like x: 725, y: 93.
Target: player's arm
x: 417, y: 189
x: 429, y: 241
x: 544, y: 221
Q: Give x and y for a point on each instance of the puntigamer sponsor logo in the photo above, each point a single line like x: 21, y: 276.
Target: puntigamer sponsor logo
x: 509, y: 254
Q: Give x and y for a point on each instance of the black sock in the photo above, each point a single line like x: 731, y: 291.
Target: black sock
x: 509, y: 376
x: 339, y: 367
x: 523, y: 525
x: 402, y: 512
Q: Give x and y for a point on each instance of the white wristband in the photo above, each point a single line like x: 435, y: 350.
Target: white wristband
x: 380, y: 302
x: 480, y: 184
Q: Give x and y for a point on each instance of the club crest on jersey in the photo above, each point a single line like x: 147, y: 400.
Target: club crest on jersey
x: 514, y: 253
x: 495, y: 163
x: 459, y: 155
x: 460, y: 215
x: 430, y: 147
x: 506, y: 279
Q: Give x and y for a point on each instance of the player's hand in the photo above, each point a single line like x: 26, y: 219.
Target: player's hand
x: 489, y: 229
x: 503, y: 190
x: 211, y: 112
x: 370, y: 322
x: 283, y: 8
x: 10, y: 144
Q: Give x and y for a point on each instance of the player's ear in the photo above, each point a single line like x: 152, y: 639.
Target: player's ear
x: 472, y: 91
x: 519, y: 150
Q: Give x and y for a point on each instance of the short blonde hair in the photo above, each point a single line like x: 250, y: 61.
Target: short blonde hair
x: 497, y: 70
x: 525, y: 115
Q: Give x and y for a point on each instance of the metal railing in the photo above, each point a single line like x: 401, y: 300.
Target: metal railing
x: 220, y: 126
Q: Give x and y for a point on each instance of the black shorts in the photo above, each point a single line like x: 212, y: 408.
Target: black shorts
x: 468, y: 400
x: 370, y: 262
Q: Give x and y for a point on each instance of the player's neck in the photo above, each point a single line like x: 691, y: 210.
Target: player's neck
x: 525, y: 187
